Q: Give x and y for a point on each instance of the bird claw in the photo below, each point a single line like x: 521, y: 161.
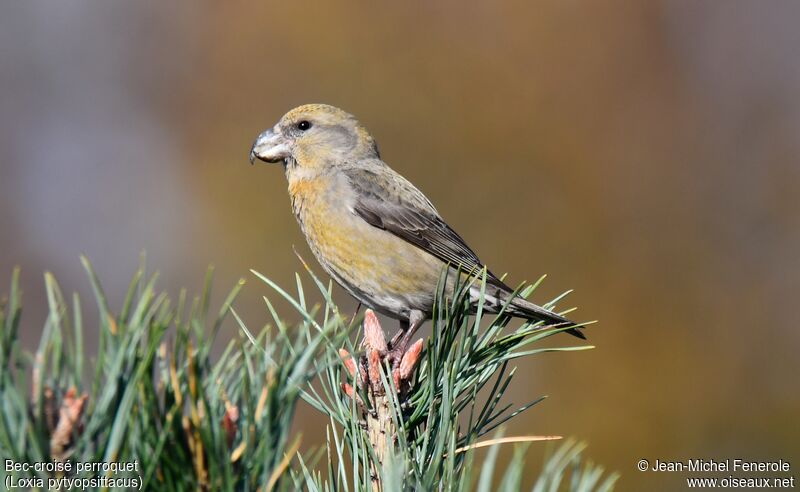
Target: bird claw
x: 401, y: 361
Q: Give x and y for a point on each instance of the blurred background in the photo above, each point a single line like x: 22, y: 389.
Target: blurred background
x: 645, y: 154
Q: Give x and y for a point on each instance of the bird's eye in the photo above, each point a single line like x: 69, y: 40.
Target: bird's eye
x: 304, y: 125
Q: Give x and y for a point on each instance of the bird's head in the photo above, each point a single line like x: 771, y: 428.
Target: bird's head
x: 314, y: 136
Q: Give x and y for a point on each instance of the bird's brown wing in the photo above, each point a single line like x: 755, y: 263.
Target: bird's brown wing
x: 390, y: 202
x: 386, y: 200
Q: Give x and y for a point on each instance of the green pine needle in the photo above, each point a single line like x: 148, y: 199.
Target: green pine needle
x: 154, y: 395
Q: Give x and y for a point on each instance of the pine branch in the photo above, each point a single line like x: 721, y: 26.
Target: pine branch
x: 153, y: 395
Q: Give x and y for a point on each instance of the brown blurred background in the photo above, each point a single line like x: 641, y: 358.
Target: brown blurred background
x: 645, y: 154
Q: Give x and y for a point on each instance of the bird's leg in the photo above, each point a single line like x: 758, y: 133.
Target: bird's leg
x: 399, y: 343
x: 402, y: 344
x: 404, y: 325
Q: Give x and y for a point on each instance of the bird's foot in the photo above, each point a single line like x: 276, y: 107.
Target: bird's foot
x: 373, y: 368
x: 395, y: 356
x: 398, y: 347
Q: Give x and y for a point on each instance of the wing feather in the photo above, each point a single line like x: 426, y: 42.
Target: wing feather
x: 388, y: 201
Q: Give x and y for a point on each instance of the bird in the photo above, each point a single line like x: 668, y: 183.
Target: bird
x: 374, y: 232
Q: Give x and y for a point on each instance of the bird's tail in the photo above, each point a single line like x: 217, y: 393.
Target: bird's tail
x: 528, y: 310
x: 522, y: 308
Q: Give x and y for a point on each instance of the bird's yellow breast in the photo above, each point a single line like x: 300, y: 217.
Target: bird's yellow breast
x: 363, y: 258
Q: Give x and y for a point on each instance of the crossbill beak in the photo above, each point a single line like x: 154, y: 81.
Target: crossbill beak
x: 269, y: 147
